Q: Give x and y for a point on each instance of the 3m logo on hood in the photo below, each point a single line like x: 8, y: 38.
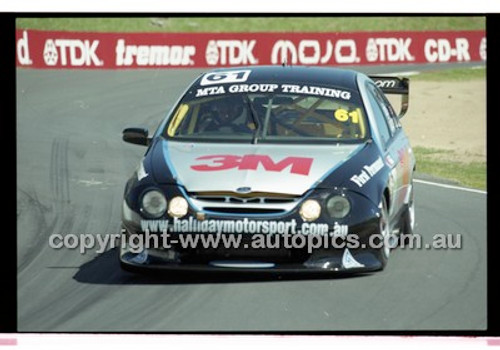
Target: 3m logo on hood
x: 297, y: 165
x: 291, y: 169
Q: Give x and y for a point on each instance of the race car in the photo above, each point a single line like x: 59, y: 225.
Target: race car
x: 275, y: 168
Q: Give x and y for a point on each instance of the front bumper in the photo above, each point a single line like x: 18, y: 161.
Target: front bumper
x: 332, y: 264
x: 362, y: 221
x: 345, y: 257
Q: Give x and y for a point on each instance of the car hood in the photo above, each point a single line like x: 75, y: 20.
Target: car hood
x: 276, y: 168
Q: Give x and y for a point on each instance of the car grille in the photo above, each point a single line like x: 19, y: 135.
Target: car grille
x: 243, y: 199
x: 249, y: 203
x: 244, y: 210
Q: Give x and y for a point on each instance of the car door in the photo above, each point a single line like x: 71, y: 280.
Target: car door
x: 395, y: 146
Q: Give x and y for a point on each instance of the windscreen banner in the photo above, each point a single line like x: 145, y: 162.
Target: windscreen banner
x: 87, y: 50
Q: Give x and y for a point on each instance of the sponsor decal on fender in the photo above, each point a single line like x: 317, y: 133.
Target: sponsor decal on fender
x: 368, y: 172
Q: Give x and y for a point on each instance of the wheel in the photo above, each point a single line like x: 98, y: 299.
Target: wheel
x: 384, y: 230
x: 408, y: 219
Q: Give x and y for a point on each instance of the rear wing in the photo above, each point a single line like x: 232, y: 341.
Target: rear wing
x: 394, y: 86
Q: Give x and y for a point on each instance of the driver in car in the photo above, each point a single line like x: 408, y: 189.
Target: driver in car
x: 229, y: 115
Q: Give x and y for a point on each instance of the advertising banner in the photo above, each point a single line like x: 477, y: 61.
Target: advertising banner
x: 86, y: 50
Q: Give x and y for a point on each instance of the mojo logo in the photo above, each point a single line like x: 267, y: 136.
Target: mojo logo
x: 235, y: 76
x: 232, y: 52
x: 298, y: 165
x: 71, y: 52
x: 313, y: 52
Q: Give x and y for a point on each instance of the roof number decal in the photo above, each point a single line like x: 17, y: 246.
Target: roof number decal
x: 234, y: 76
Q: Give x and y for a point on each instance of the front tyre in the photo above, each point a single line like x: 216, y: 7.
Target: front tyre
x: 408, y: 219
x: 384, y: 232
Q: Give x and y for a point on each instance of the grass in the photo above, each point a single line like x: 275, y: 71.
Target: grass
x: 255, y: 24
x: 461, y: 74
x: 436, y: 162
x: 443, y: 163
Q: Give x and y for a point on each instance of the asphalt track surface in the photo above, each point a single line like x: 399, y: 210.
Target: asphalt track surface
x: 71, y: 171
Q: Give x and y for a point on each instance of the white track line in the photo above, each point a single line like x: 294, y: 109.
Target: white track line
x: 449, y: 186
x: 407, y: 74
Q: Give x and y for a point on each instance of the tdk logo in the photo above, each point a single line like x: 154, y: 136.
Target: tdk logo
x: 71, y: 52
x: 389, y: 50
x: 231, y: 52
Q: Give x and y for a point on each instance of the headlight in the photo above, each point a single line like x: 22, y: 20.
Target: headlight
x: 154, y: 203
x: 338, y: 207
x: 178, y: 207
x: 310, y: 210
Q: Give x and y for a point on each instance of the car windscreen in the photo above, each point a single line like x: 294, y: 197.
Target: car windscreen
x: 302, y: 115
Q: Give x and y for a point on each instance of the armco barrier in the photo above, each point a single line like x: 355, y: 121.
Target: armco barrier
x: 84, y: 50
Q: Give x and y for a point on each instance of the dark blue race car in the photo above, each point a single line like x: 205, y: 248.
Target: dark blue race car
x: 283, y: 168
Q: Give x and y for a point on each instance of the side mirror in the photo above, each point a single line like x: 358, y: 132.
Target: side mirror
x: 137, y: 136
